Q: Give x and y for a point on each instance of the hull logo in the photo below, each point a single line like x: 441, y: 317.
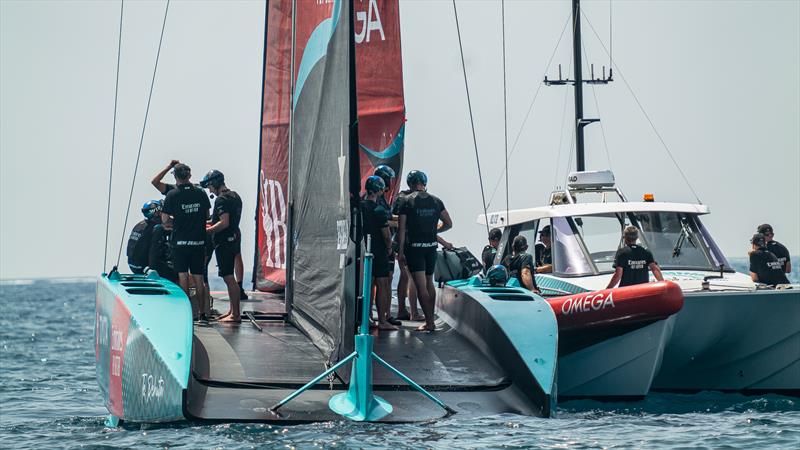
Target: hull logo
x: 588, y: 303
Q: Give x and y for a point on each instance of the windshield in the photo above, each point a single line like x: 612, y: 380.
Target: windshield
x: 569, y: 257
x: 602, y: 236
x: 675, y: 240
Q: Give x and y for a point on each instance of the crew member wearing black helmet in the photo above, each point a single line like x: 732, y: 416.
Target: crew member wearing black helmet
x: 543, y: 251
x: 632, y: 262
x: 142, y: 233
x: 376, y: 226
x: 520, y: 264
x: 160, y: 253
x: 186, y: 209
x: 387, y: 174
x: 422, y: 217
x: 490, y: 251
x: 227, y: 237
x: 777, y: 249
x: 764, y: 265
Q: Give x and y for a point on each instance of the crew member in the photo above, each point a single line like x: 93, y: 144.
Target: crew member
x: 543, y: 251
x: 490, y: 251
x: 632, y: 262
x: 520, y: 264
x: 387, y: 174
x: 422, y: 216
x: 186, y: 209
x: 764, y: 265
x: 224, y: 228
x: 157, y: 182
x: 376, y: 226
x: 142, y: 233
x: 160, y: 253
x: 404, y: 288
x: 777, y: 249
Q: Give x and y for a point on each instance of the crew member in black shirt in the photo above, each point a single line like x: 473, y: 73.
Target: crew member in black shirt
x: 520, y: 264
x: 418, y: 225
x: 777, y: 249
x: 387, y: 174
x: 405, y: 289
x: 490, y: 250
x: 160, y: 253
x: 632, y: 262
x: 186, y: 209
x: 139, y: 240
x: 764, y: 265
x: 376, y: 226
x: 224, y: 228
x: 544, y: 251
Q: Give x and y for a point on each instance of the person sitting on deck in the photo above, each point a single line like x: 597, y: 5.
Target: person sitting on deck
x: 186, y: 209
x: 520, y: 264
x: 777, y: 249
x: 422, y: 217
x: 490, y: 250
x: 227, y: 237
x: 142, y: 233
x: 764, y: 265
x: 544, y: 252
x: 632, y: 262
x: 376, y: 226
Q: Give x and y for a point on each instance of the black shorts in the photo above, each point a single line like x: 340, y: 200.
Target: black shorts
x: 226, y: 255
x: 420, y: 259
x: 380, y: 265
x: 190, y: 259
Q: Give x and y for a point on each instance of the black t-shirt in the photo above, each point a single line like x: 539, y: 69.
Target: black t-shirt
x: 188, y: 206
x: 422, y: 212
x: 487, y: 256
x: 544, y: 255
x: 374, y: 216
x: 766, y: 265
x: 780, y: 252
x: 167, y: 187
x: 160, y: 253
x: 635, y: 263
x: 228, y: 202
x: 139, y: 243
x: 516, y: 263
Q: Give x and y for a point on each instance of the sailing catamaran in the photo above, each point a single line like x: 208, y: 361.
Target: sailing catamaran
x: 155, y: 365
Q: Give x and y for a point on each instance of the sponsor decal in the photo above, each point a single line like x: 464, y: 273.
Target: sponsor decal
x: 367, y: 22
x: 273, y: 213
x: 342, y: 234
x: 119, y: 338
x: 594, y: 301
x: 152, y: 387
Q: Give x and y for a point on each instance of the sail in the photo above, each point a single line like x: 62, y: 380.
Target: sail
x: 381, y: 113
x: 322, y: 254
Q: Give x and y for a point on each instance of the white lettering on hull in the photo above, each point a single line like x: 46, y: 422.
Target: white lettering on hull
x: 590, y: 302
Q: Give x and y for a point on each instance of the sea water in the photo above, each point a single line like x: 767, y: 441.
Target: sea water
x: 49, y: 399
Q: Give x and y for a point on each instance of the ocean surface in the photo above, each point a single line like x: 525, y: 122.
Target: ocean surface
x: 49, y: 399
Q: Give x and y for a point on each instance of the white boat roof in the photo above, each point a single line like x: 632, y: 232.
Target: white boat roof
x: 517, y: 216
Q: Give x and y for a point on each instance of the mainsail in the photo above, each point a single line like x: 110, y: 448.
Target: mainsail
x: 381, y: 113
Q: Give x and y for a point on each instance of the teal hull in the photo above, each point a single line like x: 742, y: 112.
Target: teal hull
x: 143, y: 347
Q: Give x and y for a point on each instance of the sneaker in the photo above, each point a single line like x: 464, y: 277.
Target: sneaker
x: 403, y: 315
x: 394, y: 320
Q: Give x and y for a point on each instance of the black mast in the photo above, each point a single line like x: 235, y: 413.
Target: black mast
x: 576, y: 57
x: 354, y: 162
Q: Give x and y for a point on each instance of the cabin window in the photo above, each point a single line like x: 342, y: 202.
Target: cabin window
x: 602, y: 236
x: 675, y: 240
x: 568, y: 255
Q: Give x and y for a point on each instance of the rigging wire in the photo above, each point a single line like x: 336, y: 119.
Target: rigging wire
x: 471, y: 120
x: 144, y: 128
x: 113, y: 133
x: 647, y: 116
x: 505, y: 102
x: 530, y: 108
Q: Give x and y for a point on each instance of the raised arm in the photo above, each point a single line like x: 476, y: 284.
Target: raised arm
x: 156, y: 181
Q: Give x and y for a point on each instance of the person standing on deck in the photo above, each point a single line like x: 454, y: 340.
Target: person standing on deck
x: 543, y: 251
x: 490, y: 251
x: 422, y: 217
x: 142, y: 233
x: 227, y: 237
x: 376, y: 226
x: 777, y: 249
x: 387, y: 174
x: 186, y: 210
x: 765, y: 267
x: 632, y: 262
x: 520, y: 264
x: 404, y: 288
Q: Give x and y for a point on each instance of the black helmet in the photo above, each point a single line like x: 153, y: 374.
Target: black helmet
x: 213, y: 178
x: 759, y: 240
x: 385, y: 172
x: 374, y: 184
x: 416, y: 177
x: 497, y: 275
x: 151, y: 208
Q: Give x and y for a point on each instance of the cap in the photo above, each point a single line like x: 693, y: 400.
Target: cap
x: 758, y: 240
x: 545, y: 230
x: 765, y: 228
x: 182, y: 171
x: 495, y: 234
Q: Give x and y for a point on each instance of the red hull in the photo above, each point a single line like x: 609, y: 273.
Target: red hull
x: 621, y: 306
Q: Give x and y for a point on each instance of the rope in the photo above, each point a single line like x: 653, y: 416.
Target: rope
x: 505, y: 102
x: 530, y: 109
x: 652, y: 125
x: 113, y: 134
x: 471, y: 120
x: 144, y: 128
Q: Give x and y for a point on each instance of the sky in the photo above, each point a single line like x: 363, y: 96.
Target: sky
x: 720, y: 81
